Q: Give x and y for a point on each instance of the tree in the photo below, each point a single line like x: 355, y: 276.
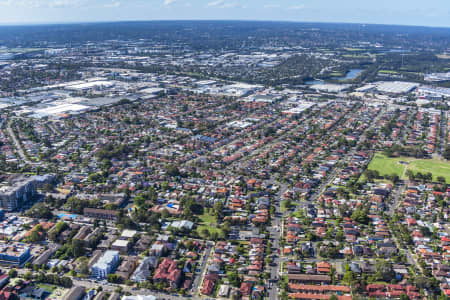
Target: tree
x: 425, y: 231
x: 310, y: 237
x: 218, y: 209
x: 40, y: 211
x: 410, y: 174
x: 55, y: 232
x: 446, y: 153
x: 214, y: 235
x: 165, y: 213
x: 394, y: 178
x: 385, y: 271
x: 441, y: 179
x: 106, y: 164
x: 388, y: 152
x: 77, y: 248
x: 234, y: 279
x: 139, y: 201
x: 419, y: 176
x: 371, y: 174
x: 349, y: 276
x: 66, y: 282
x: 428, y: 282
x: 12, y: 273
x: 172, y: 171
x: 204, y: 233
x: 287, y: 203
x: 360, y: 215
x: 83, y: 265
x: 128, y: 282
x: 28, y: 275
x: 35, y: 236
x: 113, y: 278
x: 340, y: 235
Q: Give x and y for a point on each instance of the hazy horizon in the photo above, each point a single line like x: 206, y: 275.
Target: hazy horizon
x: 207, y: 20
x: 433, y: 13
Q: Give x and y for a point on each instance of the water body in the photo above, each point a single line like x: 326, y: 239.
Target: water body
x: 399, y: 51
x: 313, y: 82
x: 351, y: 74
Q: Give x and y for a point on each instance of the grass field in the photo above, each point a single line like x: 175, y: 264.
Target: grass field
x: 355, y: 56
x: 390, y: 165
x: 353, y: 49
x: 48, y: 287
x: 207, y: 221
x: 336, y: 74
x: 387, y: 72
x: 210, y: 229
x: 283, y: 205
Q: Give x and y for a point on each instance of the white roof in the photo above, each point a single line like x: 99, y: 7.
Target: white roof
x: 139, y: 297
x: 330, y: 87
x: 206, y: 82
x: 107, y: 259
x: 128, y: 233
x: 120, y: 243
x: 151, y: 90
x: 58, y: 109
x: 396, y: 87
x: 89, y: 85
x: 182, y: 224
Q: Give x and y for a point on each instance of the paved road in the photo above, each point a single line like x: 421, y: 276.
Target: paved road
x: 397, y: 193
x: 17, y: 144
x: 323, y: 185
x: 396, y: 200
x: 113, y: 287
x: 346, y: 158
x: 276, y: 232
x: 442, y: 139
x: 199, y: 277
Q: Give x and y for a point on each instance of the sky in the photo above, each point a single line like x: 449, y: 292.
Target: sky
x: 402, y: 12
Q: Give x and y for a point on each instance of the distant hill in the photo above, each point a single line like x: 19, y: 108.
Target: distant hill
x: 227, y: 34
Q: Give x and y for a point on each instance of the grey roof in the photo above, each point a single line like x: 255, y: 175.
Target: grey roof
x: 143, y: 270
x: 75, y: 293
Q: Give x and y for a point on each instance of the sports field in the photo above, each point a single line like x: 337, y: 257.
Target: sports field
x: 398, y: 165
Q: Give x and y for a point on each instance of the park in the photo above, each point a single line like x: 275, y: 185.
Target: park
x: 400, y: 165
